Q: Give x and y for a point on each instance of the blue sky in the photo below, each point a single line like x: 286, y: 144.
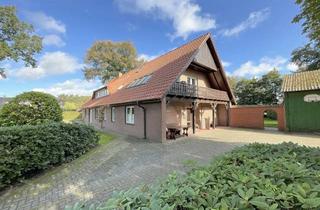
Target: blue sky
x: 251, y: 36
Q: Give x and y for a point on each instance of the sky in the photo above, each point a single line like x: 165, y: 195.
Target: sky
x: 251, y: 36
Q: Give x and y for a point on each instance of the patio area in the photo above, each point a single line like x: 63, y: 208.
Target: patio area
x: 243, y: 135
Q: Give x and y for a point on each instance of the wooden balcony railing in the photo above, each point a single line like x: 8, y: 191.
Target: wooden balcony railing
x: 183, y: 89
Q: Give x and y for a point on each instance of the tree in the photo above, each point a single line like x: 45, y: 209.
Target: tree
x: 17, y: 41
x: 233, y: 80
x: 270, y: 87
x: 307, y: 57
x: 265, y: 90
x: 247, y: 92
x: 106, y: 59
x: 30, y: 108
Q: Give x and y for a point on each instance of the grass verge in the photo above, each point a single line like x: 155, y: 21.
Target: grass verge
x: 69, y: 116
x: 105, y: 138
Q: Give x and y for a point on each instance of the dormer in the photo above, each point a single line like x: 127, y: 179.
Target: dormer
x: 100, y: 92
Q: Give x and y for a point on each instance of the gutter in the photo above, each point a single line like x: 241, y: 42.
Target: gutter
x: 144, y: 120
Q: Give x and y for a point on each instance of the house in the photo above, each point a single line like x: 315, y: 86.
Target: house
x: 181, y: 91
x: 302, y: 101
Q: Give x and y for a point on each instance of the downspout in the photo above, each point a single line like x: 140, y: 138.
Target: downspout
x: 144, y: 120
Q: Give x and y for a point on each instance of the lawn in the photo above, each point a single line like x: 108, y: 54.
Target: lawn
x: 105, y: 138
x: 270, y: 123
x: 69, y: 116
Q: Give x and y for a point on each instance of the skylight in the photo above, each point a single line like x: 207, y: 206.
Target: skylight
x: 140, y: 81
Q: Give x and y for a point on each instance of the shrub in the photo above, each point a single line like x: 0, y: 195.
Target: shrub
x: 30, y: 108
x: 257, y: 176
x: 27, y: 149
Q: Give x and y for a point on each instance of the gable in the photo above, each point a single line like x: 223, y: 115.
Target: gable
x: 204, y: 57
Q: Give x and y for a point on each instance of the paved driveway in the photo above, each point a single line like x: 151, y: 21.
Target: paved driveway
x: 242, y: 135
x: 121, y: 164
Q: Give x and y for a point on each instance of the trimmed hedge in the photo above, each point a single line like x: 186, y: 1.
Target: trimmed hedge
x: 30, y: 108
x: 29, y: 148
x: 257, y: 176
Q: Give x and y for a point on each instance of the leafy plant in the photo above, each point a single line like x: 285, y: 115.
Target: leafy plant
x: 256, y: 176
x: 30, y: 108
x: 27, y: 149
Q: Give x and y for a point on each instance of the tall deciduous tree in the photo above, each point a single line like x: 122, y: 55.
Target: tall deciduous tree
x: 265, y: 90
x: 307, y: 57
x: 106, y: 59
x: 17, y: 39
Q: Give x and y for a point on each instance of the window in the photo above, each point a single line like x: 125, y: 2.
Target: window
x: 96, y: 113
x: 130, y: 114
x: 141, y: 81
x: 101, y: 93
x: 113, y: 114
x: 192, y: 81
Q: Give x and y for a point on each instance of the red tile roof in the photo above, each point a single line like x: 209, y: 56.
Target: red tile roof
x: 164, y: 69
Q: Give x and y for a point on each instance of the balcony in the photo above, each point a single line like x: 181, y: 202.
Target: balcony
x: 182, y: 89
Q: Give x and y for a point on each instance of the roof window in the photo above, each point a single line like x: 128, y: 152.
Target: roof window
x: 140, y: 81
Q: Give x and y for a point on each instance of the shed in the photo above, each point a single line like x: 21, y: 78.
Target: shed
x: 302, y: 101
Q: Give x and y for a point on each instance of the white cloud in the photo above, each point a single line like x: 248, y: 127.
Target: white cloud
x: 225, y: 63
x: 71, y: 87
x: 292, y: 66
x: 265, y: 65
x: 51, y: 63
x: 251, y: 22
x: 185, y: 15
x: 147, y: 57
x: 46, y: 22
x: 54, y: 40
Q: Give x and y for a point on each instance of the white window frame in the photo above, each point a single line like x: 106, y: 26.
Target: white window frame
x: 129, y: 115
x: 113, y: 114
x: 189, y: 79
x: 101, y: 93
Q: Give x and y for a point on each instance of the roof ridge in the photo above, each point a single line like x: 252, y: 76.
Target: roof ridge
x: 189, y: 42
x: 135, y: 69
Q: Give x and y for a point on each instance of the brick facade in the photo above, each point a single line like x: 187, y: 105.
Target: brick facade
x: 252, y: 116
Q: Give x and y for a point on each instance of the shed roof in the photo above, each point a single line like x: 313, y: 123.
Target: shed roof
x: 308, y: 80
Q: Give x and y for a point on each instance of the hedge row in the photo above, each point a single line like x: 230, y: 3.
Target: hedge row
x: 258, y: 176
x: 26, y: 149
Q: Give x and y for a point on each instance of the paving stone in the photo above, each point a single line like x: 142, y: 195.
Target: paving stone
x: 121, y: 164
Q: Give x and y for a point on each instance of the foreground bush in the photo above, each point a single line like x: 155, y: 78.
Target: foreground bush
x: 30, y: 108
x: 257, y: 176
x: 26, y: 149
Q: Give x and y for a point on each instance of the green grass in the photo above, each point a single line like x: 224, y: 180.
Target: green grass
x: 69, y: 116
x: 270, y: 123
x: 105, y: 138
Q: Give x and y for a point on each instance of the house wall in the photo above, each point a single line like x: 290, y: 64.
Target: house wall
x: 301, y: 115
x: 204, y: 116
x: 205, y: 58
x: 153, y: 121
x: 202, y: 78
x: 177, y: 115
x: 222, y: 115
x: 253, y: 116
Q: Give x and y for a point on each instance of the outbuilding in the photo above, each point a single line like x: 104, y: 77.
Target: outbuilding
x: 302, y: 101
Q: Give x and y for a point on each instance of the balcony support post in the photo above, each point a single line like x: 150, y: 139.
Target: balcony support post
x: 213, y: 105
x: 194, y: 107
